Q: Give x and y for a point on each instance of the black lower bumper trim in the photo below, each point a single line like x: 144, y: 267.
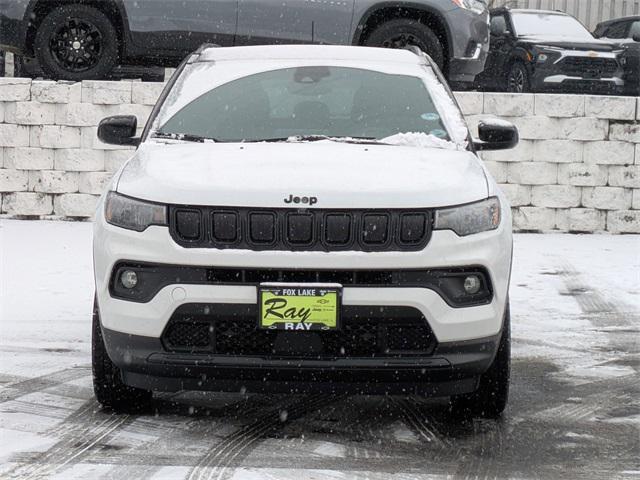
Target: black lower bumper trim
x: 465, y: 69
x: 453, y: 368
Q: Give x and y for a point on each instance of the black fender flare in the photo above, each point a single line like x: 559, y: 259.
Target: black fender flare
x: 519, y: 54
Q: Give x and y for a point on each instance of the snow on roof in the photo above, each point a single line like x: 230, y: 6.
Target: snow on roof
x: 306, y: 52
x: 539, y: 12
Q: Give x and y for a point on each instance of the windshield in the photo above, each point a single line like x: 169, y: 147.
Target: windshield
x: 310, y: 101
x: 545, y: 24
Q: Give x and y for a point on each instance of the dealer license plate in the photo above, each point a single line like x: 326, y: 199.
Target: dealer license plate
x: 299, y: 307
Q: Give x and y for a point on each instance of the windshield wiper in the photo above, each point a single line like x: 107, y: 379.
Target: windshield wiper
x: 187, y: 137
x: 318, y: 138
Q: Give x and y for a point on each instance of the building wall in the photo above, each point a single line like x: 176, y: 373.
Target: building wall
x: 590, y: 12
x: 577, y: 167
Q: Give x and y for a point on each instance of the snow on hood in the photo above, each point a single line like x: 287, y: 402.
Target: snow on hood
x: 340, y: 175
x: 569, y: 42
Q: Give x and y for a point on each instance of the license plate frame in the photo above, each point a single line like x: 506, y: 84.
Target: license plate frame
x: 324, y: 312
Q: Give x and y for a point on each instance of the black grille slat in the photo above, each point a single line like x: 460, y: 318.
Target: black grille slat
x: 337, y: 229
x: 412, y: 228
x: 262, y: 228
x: 303, y: 229
x: 375, y: 229
x: 226, y: 227
x: 300, y: 228
x: 233, y: 330
x: 189, y: 224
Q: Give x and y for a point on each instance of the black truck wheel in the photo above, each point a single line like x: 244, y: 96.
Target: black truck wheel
x: 404, y: 32
x: 76, y: 42
x: 492, y: 395
x: 108, y: 386
x: 518, y: 78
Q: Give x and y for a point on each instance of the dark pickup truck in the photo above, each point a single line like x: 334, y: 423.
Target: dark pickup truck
x: 83, y: 39
x: 625, y: 32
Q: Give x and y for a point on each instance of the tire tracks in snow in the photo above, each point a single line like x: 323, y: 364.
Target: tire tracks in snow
x: 13, y: 391
x: 144, y: 465
x: 420, y: 423
x: 596, y: 308
x: 594, y: 397
x: 83, y: 430
x: 481, y: 461
x: 217, y: 461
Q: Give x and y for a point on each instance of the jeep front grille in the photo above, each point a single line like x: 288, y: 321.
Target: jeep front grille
x: 306, y: 230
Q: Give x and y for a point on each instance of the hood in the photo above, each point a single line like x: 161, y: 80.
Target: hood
x: 569, y: 43
x: 338, y: 175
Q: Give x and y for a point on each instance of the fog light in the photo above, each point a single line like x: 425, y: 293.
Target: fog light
x: 472, y: 284
x: 129, y: 279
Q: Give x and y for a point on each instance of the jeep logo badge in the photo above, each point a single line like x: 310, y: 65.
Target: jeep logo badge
x: 304, y: 200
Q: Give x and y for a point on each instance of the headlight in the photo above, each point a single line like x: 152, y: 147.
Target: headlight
x: 133, y: 214
x: 475, y: 5
x: 469, y: 219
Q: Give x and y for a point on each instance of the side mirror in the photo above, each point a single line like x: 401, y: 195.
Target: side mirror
x: 496, y: 135
x: 636, y: 37
x: 119, y: 130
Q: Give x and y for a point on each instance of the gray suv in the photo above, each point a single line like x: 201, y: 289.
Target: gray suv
x: 78, y: 40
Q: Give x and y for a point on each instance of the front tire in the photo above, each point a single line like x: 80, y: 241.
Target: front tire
x: 108, y: 386
x: 404, y: 32
x: 76, y: 42
x: 492, y: 395
x: 518, y: 79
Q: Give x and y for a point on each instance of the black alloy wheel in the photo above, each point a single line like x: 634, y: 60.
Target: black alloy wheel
x: 76, y: 42
x: 77, y: 45
x: 518, y: 79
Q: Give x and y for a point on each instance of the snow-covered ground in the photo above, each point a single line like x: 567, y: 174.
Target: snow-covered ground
x: 574, y: 411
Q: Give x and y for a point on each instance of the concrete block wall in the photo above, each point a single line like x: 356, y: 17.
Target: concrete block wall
x: 576, y: 169
x: 52, y: 164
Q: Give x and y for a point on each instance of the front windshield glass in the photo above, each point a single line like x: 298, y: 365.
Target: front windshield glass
x: 545, y: 24
x: 317, y: 101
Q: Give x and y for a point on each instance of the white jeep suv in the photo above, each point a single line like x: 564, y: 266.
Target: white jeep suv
x: 300, y: 218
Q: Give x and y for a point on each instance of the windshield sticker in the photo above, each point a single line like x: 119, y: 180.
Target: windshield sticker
x: 430, y: 117
x: 438, y: 133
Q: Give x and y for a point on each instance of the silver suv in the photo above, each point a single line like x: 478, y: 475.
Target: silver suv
x: 80, y: 40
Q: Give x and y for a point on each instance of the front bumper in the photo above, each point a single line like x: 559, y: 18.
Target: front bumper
x: 452, y: 369
x: 553, y: 77
x: 567, y: 83
x: 470, y: 44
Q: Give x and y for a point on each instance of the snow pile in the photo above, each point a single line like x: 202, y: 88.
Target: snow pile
x: 421, y: 140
